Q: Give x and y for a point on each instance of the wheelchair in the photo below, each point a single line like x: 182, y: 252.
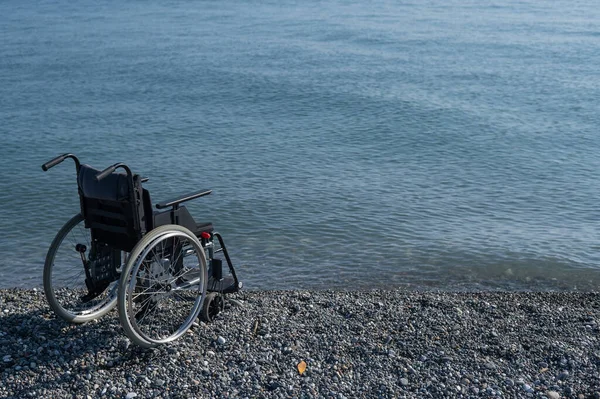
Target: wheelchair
x: 161, y: 268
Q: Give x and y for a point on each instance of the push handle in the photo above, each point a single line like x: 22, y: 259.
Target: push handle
x: 52, y: 163
x: 112, y: 168
x: 107, y: 171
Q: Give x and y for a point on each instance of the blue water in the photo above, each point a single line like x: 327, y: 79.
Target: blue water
x: 434, y: 144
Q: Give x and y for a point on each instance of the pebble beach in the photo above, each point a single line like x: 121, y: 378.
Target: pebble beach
x: 317, y: 344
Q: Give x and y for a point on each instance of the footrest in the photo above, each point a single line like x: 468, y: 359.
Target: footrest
x: 226, y: 285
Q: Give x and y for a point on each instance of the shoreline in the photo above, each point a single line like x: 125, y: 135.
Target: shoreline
x: 356, y: 344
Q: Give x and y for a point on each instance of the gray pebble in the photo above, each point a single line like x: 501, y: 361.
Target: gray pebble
x: 347, y: 356
x: 490, y: 365
x: 563, y: 375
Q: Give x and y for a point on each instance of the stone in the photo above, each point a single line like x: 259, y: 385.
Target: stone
x: 563, y: 375
x: 490, y: 365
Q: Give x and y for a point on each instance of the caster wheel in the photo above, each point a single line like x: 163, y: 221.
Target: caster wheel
x: 213, y: 303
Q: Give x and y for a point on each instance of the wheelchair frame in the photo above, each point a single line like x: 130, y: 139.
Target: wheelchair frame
x: 162, y: 268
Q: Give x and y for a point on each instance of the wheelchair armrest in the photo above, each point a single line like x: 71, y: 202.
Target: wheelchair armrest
x: 183, y: 198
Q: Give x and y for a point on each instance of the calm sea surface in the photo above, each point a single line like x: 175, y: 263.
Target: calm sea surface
x: 433, y: 144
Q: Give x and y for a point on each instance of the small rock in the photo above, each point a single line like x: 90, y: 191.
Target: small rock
x: 273, y: 385
x: 221, y: 340
x: 490, y: 365
x: 552, y: 395
x: 131, y: 395
x: 563, y: 375
x: 7, y: 359
x: 404, y: 381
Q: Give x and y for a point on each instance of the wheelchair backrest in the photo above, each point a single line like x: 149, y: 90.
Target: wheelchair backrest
x: 113, y: 208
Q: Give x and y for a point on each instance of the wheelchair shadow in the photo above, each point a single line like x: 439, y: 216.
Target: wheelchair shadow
x: 35, y: 340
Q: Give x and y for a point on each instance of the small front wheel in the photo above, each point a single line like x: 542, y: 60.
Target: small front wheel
x: 162, y: 288
x: 65, y: 276
x: 213, y: 304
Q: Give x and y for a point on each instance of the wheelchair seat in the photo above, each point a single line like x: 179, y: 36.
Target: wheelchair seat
x: 206, y: 227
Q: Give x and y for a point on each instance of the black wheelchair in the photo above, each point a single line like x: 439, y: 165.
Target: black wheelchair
x: 162, y: 268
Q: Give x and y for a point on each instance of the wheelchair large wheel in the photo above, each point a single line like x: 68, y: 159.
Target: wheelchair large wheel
x: 64, y: 276
x: 162, y: 288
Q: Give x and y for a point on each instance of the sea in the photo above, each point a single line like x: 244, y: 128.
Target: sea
x: 419, y: 145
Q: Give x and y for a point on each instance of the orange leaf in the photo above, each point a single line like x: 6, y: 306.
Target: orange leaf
x: 301, y: 367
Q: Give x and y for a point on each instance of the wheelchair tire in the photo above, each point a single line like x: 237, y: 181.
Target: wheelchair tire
x: 163, y: 286
x: 64, y: 276
x: 212, y: 306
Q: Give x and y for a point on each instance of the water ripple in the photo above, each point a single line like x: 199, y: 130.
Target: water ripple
x: 439, y: 145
